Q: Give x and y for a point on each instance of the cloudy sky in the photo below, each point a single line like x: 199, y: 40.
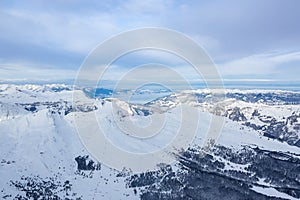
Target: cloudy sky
x: 247, y: 40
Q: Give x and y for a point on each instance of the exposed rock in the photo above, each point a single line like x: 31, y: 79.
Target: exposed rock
x: 86, y: 164
x: 237, y: 115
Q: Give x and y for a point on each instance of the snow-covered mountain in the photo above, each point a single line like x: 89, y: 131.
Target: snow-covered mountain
x: 257, y: 155
x: 275, y: 114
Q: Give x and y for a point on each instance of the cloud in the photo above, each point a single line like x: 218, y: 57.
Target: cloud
x: 274, y: 65
x: 242, y: 28
x: 145, y: 7
x: 16, y: 72
x: 65, y: 31
x: 266, y: 67
x: 58, y: 35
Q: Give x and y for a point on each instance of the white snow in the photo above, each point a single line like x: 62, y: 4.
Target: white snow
x: 271, y: 192
x: 46, y: 143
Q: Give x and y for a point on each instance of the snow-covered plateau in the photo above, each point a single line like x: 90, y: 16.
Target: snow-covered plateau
x: 256, y: 155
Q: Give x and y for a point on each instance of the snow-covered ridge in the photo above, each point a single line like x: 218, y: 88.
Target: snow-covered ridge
x: 62, y: 87
x: 30, y: 93
x: 272, y: 113
x: 36, y: 88
x: 242, y: 91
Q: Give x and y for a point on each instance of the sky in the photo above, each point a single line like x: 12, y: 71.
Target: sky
x: 250, y: 40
